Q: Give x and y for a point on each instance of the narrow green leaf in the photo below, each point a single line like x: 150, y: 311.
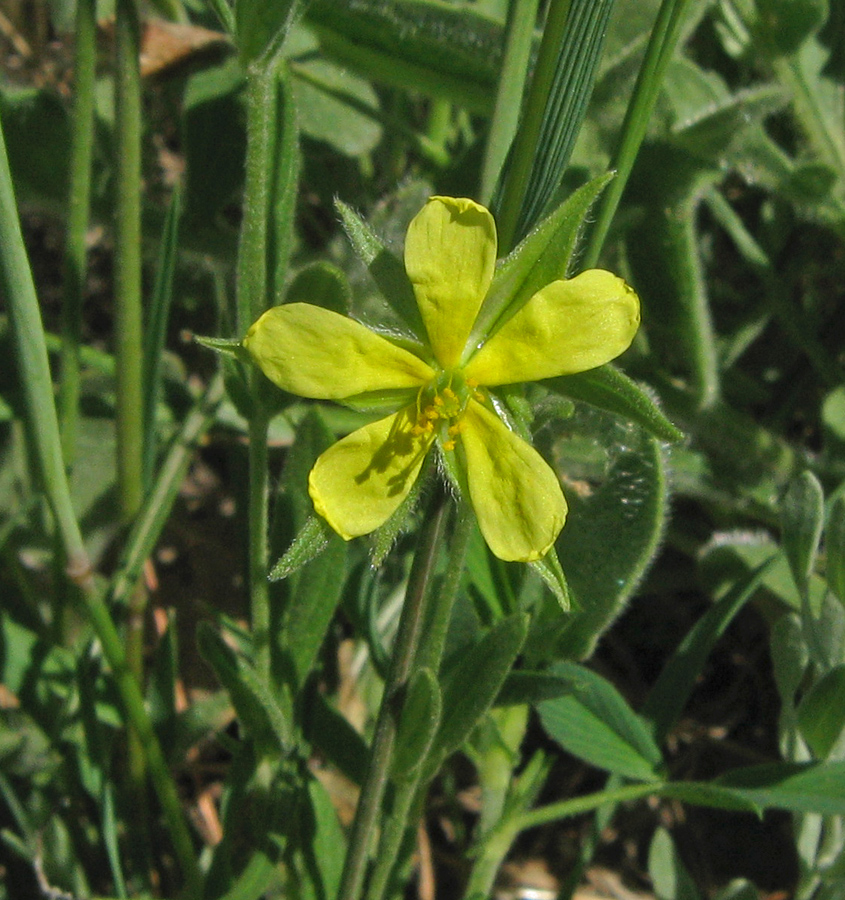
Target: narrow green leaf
x: 673, y: 688
x: 472, y: 686
x: 610, y: 389
x: 339, y: 742
x: 572, y: 84
x: 595, y: 723
x: 835, y: 549
x: 387, y: 271
x: 285, y: 186
x: 797, y: 787
x: 323, y: 846
x: 625, y: 516
x: 255, y: 705
x: 418, y: 724
x: 307, y: 616
x: 802, y: 516
x: 821, y: 715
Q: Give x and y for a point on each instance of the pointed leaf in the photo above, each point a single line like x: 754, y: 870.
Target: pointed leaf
x: 609, y: 389
x: 798, y: 787
x: 835, y: 547
x: 802, y: 515
x: 544, y: 256
x: 418, y: 723
x: 386, y: 269
x: 821, y: 715
x: 472, y: 686
x: 673, y: 688
x: 595, y: 723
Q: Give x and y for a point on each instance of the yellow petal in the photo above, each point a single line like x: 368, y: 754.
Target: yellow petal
x: 359, y: 482
x: 516, y: 496
x: 316, y: 353
x: 450, y: 254
x: 567, y: 327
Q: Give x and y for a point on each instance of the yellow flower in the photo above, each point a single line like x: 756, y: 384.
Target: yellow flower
x: 450, y: 254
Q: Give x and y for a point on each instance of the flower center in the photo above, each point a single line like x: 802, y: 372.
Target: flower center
x: 440, y: 406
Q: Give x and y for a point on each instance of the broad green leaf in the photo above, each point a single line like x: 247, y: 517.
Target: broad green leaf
x: 802, y: 515
x: 610, y: 389
x: 821, y: 715
x: 593, y: 722
x: 321, y: 89
x: 623, y: 514
x: 784, y: 25
x: 673, y: 688
x: 418, y: 723
x: 37, y: 131
x: 472, y: 685
x: 668, y: 874
x: 214, y: 139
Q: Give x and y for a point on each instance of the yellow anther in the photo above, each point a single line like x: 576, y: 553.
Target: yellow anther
x: 448, y: 445
x: 449, y: 394
x: 438, y: 400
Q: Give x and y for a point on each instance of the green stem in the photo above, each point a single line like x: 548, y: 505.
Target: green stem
x: 129, y: 324
x: 532, y: 121
x: 31, y: 353
x: 428, y: 655
x: 79, y: 198
x: 661, y: 46
x: 522, y: 18
x: 129, y: 358
x: 500, y: 840
x: 404, y: 652
x: 251, y: 302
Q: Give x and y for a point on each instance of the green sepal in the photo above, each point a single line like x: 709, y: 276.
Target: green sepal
x: 609, y: 389
x: 384, y: 537
x: 311, y: 541
x: 386, y: 269
x: 550, y: 570
x: 230, y: 347
x: 418, y: 724
x: 544, y: 256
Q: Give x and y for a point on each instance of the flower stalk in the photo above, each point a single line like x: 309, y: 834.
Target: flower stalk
x: 417, y: 599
